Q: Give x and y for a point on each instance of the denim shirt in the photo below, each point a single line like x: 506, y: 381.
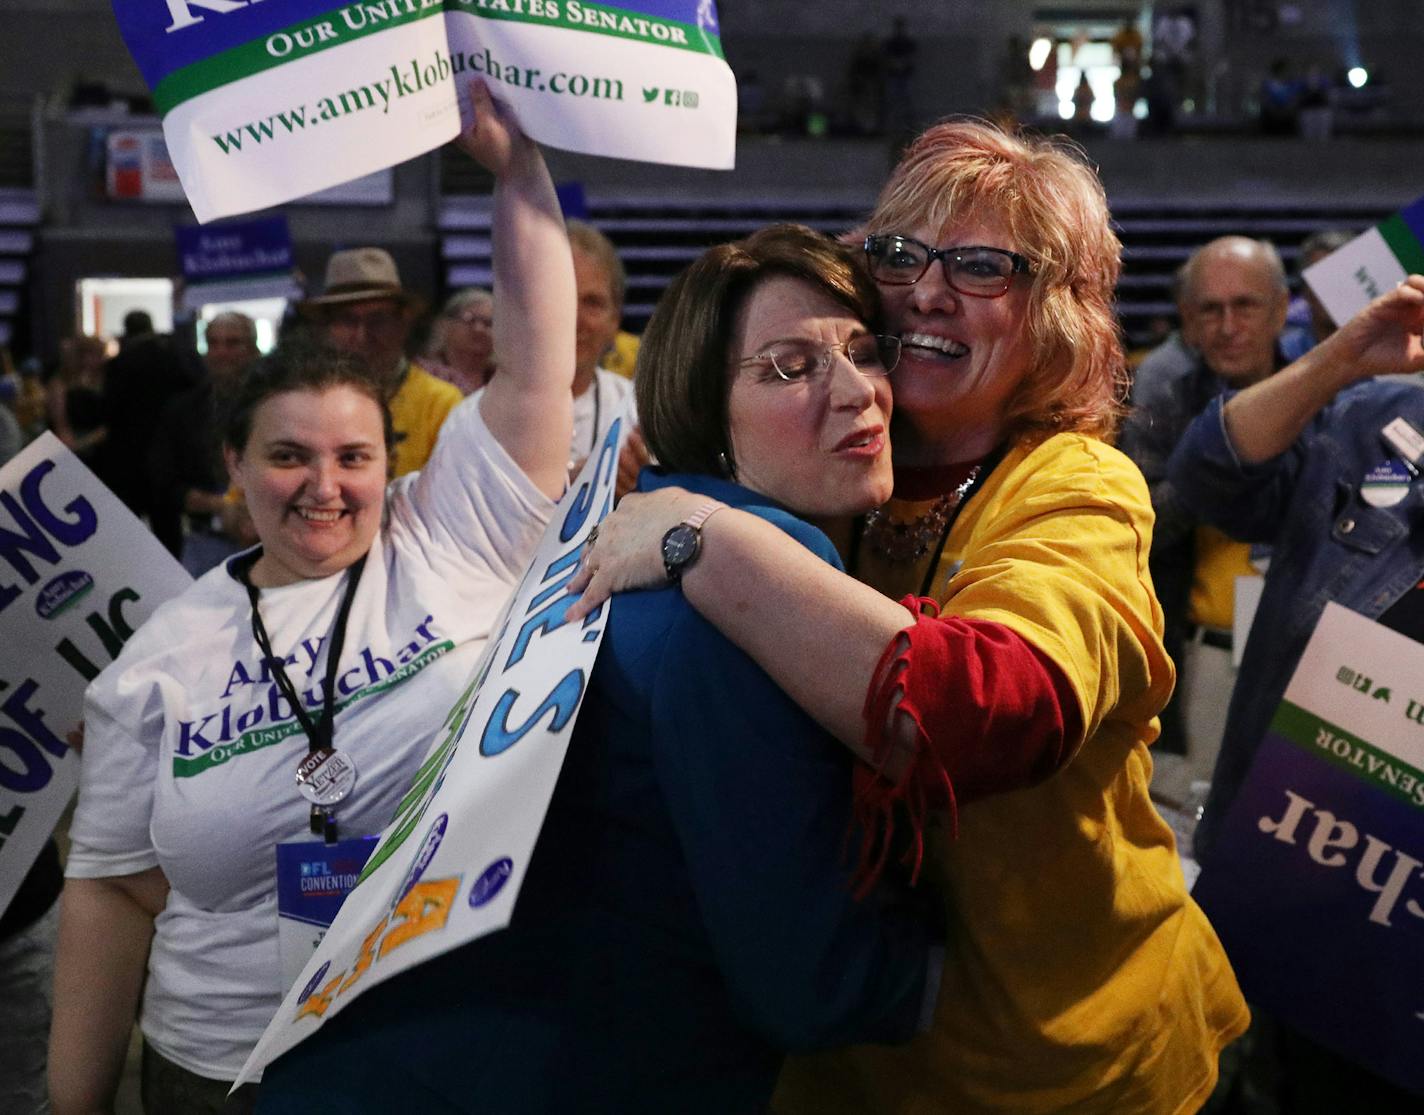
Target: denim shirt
x: 1329, y: 544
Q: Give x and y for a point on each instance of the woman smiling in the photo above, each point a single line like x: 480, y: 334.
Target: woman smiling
x: 1006, y: 704
x: 291, y: 692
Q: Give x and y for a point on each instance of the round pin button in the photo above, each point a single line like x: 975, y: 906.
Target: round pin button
x: 326, y: 776
x: 1347, y: 525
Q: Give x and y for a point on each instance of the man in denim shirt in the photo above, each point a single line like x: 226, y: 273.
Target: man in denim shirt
x: 1232, y: 295
x: 1313, y: 461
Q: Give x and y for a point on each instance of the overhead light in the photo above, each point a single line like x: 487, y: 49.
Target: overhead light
x: 1357, y: 76
x: 1038, y: 53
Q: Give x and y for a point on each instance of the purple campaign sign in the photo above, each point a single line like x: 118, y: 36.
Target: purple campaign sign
x: 1316, y: 890
x: 234, y: 249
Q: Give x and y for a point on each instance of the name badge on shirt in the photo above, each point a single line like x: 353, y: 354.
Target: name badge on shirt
x: 1401, y: 436
x: 313, y: 879
x: 1386, y: 484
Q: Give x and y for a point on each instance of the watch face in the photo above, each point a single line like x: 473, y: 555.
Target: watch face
x: 680, y: 545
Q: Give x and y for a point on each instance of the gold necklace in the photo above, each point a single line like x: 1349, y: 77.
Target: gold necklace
x: 911, y: 540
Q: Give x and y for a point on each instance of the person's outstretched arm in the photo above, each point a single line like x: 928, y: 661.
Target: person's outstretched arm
x: 1264, y: 420
x: 529, y: 405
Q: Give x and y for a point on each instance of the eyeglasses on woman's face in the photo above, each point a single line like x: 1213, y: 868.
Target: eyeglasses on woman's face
x: 976, y: 270
x: 806, y: 362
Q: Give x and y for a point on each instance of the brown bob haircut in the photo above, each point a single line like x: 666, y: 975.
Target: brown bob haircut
x: 1049, y: 201
x: 684, y: 371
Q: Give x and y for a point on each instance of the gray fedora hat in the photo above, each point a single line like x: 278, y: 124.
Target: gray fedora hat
x: 357, y: 274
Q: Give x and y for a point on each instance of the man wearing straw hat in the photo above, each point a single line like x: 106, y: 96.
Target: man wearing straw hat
x: 363, y: 309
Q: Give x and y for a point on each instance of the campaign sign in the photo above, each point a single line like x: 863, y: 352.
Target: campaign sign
x: 1376, y: 261
x: 236, y: 261
x: 1316, y: 881
x: 449, y: 866
x: 234, y: 250
x: 78, y: 575
x: 263, y: 103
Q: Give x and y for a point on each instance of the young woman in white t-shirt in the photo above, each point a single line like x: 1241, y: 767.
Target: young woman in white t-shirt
x: 193, y: 738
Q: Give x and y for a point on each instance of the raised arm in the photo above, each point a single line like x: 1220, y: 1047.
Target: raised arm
x: 105, y: 928
x: 529, y: 405
x: 1382, y: 339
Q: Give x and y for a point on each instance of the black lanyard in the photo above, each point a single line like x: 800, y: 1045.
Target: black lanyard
x: 320, y: 733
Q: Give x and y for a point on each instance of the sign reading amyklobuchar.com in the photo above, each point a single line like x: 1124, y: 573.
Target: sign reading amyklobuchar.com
x: 266, y: 101
x: 1316, y: 881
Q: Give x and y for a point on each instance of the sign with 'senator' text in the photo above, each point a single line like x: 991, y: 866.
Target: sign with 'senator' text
x: 1316, y: 881
x: 448, y: 867
x: 78, y: 575
x: 265, y: 101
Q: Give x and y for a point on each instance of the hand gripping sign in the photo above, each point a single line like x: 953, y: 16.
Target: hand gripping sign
x: 449, y: 866
x: 78, y: 574
x: 265, y: 101
x: 1316, y: 881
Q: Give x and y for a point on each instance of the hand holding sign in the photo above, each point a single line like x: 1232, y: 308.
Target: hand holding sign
x: 1382, y: 339
x: 493, y: 137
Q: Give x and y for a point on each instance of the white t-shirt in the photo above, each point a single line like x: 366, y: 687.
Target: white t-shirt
x: 190, y: 751
x: 595, y: 410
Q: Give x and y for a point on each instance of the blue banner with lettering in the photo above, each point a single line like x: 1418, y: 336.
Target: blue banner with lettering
x: 234, y: 250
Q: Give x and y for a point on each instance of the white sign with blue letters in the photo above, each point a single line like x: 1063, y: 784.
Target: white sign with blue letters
x: 448, y: 867
x: 78, y: 575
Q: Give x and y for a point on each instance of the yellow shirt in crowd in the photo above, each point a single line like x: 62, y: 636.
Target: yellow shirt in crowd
x: 1220, y: 560
x: 418, y: 410
x: 1079, y: 975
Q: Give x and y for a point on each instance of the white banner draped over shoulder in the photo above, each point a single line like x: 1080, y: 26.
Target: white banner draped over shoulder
x: 267, y: 102
x: 449, y: 866
x: 78, y: 575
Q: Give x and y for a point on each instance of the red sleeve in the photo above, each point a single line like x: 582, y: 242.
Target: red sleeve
x: 991, y: 712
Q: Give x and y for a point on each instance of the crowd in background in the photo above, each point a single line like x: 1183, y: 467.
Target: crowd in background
x: 143, y: 413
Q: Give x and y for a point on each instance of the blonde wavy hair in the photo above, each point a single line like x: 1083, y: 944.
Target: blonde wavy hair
x: 1048, y: 198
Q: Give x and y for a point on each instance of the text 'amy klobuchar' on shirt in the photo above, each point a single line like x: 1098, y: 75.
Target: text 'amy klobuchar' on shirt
x: 689, y: 914
x: 376, y: 598
x: 1003, y: 707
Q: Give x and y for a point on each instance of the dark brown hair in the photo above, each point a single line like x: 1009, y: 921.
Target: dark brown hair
x: 683, y: 376
x: 298, y: 366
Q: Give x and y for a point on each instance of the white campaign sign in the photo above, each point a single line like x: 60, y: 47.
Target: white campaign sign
x: 265, y: 104
x: 78, y: 575
x: 1348, y: 279
x: 448, y: 867
x: 1358, y: 673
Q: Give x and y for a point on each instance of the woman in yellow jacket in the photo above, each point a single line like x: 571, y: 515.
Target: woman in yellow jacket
x: 1005, y: 704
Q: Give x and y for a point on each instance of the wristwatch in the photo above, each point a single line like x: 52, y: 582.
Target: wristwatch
x: 683, y: 543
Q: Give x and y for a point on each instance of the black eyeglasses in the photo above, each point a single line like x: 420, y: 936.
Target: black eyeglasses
x: 804, y: 362
x: 975, y: 270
